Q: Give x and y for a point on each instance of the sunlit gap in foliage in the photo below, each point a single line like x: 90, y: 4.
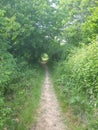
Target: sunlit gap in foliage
x: 63, y: 42
x: 44, y: 58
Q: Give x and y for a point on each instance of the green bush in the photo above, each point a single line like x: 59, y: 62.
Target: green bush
x: 16, y: 107
x: 7, y: 70
x: 77, y: 78
x: 4, y: 112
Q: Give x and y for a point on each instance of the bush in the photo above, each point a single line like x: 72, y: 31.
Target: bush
x: 77, y: 78
x: 7, y: 69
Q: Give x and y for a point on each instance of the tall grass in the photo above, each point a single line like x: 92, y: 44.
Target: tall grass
x: 76, y: 81
x: 25, y: 100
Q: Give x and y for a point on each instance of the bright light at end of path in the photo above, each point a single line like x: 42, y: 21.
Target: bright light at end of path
x: 44, y: 58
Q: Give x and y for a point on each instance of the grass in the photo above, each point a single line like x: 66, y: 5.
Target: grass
x: 28, y: 114
x: 25, y: 103
x: 76, y: 87
x: 70, y: 120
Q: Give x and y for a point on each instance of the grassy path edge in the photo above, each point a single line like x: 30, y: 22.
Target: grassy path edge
x: 69, y: 119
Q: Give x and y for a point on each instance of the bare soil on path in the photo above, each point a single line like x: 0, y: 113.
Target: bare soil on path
x: 49, y: 113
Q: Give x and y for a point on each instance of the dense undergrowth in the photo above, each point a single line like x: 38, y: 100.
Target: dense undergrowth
x: 76, y: 84
x: 19, y: 97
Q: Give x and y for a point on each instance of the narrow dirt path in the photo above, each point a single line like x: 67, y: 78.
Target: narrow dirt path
x: 49, y: 116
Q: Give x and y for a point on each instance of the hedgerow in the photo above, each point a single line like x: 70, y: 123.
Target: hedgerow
x: 77, y: 78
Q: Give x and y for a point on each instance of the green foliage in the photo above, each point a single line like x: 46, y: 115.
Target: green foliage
x: 30, y: 106
x: 90, y: 26
x: 18, y: 109
x: 7, y: 69
x: 66, y: 50
x: 4, y: 112
x: 78, y: 24
x: 26, y: 29
x: 29, y: 29
x: 77, y: 79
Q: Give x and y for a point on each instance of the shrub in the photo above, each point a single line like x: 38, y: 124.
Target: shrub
x: 77, y: 78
